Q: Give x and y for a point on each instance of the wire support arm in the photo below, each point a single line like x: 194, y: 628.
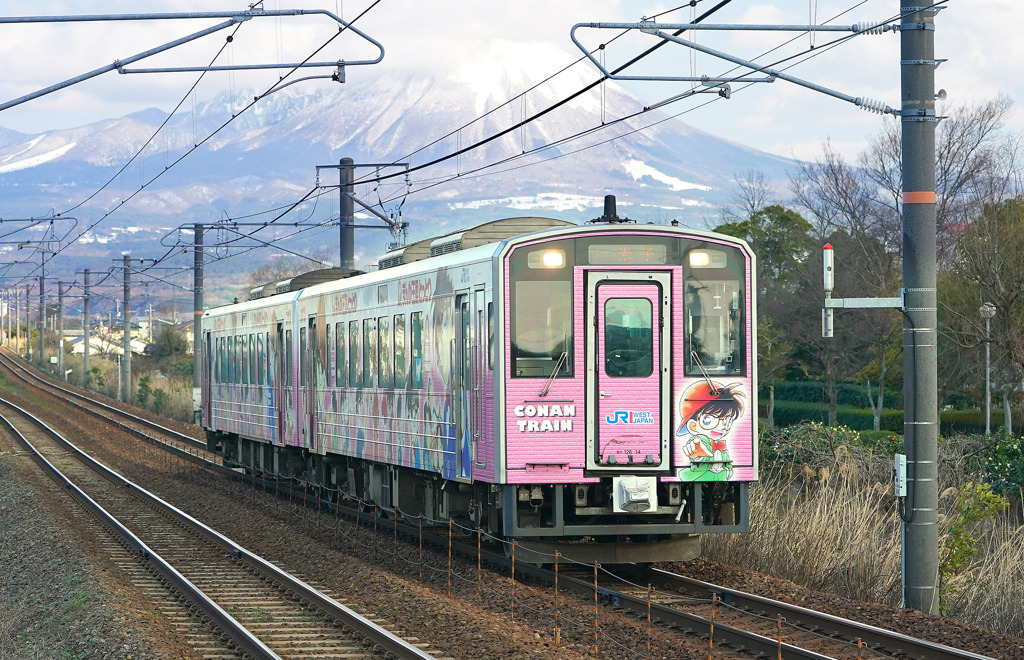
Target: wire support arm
x: 652, y: 29
x: 234, y: 18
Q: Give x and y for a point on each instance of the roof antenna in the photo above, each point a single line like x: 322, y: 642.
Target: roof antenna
x: 609, y: 212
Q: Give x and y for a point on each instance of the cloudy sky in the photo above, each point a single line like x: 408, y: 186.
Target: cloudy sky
x: 979, y: 40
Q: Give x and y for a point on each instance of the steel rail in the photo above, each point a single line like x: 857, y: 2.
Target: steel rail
x: 12, y: 362
x: 370, y: 631
x: 227, y: 623
x: 794, y: 614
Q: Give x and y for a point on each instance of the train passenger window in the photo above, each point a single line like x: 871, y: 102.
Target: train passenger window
x: 243, y: 340
x: 714, y: 312
x: 416, y: 349
x: 369, y: 352
x: 218, y: 374
x: 490, y: 336
x: 252, y: 359
x: 400, y: 351
x: 384, y: 348
x: 261, y: 361
x: 328, y: 348
x: 288, y: 358
x: 353, y: 354
x: 232, y: 360
x: 628, y: 337
x: 303, y: 355
x: 339, y: 356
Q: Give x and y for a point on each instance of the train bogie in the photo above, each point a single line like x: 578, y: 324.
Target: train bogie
x: 547, y: 383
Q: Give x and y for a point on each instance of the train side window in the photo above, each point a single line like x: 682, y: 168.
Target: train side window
x: 328, y: 349
x: 261, y: 362
x: 490, y: 336
x: 416, y: 349
x: 353, y: 354
x: 400, y: 351
x: 233, y: 364
x: 339, y: 356
x: 302, y: 356
x: 288, y: 358
x: 369, y: 352
x: 252, y: 359
x: 217, y: 376
x: 244, y: 361
x: 384, y: 350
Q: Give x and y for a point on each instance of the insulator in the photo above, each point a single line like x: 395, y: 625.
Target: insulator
x: 871, y: 27
x: 871, y: 105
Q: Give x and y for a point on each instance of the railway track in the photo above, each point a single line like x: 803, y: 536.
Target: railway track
x: 746, y: 623
x: 263, y: 611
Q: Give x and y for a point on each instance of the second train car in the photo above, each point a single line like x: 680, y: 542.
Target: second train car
x: 584, y: 389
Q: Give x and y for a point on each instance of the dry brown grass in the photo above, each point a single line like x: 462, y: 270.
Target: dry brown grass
x: 829, y: 523
x: 835, y: 532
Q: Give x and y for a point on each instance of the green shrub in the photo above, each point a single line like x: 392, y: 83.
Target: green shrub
x: 145, y: 389
x: 976, y: 504
x: 788, y: 413
x: 1004, y: 466
x: 847, y: 394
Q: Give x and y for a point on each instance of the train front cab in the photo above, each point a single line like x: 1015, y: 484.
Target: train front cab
x: 629, y: 396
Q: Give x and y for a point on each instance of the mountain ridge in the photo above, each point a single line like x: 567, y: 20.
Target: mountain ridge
x: 267, y: 156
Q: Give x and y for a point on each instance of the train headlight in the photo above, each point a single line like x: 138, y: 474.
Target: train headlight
x: 707, y: 259
x: 547, y: 259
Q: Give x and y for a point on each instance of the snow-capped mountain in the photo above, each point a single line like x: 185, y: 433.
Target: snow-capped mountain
x: 266, y: 156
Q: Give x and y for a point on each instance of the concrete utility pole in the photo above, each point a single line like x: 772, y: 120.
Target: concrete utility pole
x: 42, y: 317
x: 28, y: 335
x: 197, y: 306
x: 86, y: 332
x: 60, y: 329
x: 347, y: 213
x: 126, y: 362
x: 920, y: 354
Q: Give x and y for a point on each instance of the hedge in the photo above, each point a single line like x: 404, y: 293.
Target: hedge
x: 847, y: 394
x: 789, y: 413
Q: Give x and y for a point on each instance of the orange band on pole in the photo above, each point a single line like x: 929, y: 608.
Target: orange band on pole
x: 919, y: 198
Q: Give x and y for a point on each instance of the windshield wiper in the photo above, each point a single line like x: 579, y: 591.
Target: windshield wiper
x: 700, y: 365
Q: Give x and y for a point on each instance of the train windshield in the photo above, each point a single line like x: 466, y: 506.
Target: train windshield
x: 714, y: 309
x: 541, y: 323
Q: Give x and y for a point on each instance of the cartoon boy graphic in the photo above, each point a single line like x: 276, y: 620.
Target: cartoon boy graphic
x: 708, y: 410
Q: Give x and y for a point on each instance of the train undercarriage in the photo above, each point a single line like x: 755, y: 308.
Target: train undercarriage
x: 578, y: 521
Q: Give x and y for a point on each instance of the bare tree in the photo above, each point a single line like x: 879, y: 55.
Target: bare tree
x: 282, y: 268
x: 989, y: 267
x: 973, y: 157
x: 755, y: 192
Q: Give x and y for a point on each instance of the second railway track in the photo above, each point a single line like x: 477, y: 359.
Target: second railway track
x: 279, y: 615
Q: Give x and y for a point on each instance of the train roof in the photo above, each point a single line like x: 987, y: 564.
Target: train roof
x: 489, y: 232
x: 302, y: 281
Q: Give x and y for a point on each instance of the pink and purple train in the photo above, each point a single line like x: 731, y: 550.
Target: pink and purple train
x: 586, y: 389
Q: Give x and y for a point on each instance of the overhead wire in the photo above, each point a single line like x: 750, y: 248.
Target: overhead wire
x: 806, y: 55
x: 126, y: 198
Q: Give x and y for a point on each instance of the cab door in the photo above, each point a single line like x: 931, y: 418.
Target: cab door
x: 628, y: 366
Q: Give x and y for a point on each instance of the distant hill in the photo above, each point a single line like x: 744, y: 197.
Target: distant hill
x: 266, y: 158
